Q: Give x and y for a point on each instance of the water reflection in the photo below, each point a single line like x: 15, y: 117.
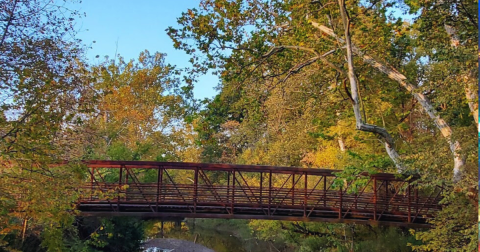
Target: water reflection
x: 219, y: 235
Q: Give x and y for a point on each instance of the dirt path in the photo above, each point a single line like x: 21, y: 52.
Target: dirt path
x: 177, y: 245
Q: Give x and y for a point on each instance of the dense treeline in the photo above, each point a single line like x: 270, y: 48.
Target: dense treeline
x: 340, y: 85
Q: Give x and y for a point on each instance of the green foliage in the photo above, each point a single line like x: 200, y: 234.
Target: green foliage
x: 361, y: 166
x: 210, y: 119
x: 334, y: 237
x: 311, y: 244
x: 46, y: 205
x: 114, y: 234
x: 455, y: 227
x: 389, y: 239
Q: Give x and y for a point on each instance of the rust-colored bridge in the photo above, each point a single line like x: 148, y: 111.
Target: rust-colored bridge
x: 160, y: 189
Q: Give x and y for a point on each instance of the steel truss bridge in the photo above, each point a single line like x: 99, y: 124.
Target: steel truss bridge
x: 193, y: 190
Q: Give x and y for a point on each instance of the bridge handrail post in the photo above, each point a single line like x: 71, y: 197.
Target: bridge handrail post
x: 195, y: 190
x: 374, y: 198
x: 159, y: 184
x: 119, y: 186
x: 293, y: 189
x: 408, y: 199
x: 91, y: 183
x: 341, y: 203
x: 261, y: 190
x: 233, y: 191
x: 416, y: 202
x: 228, y: 187
x: 305, y: 195
x: 387, y: 200
x: 269, y: 191
x: 324, y: 191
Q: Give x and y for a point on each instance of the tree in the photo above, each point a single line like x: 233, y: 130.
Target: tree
x: 40, y: 76
x: 115, y: 234
x: 138, y: 105
x: 42, y: 91
x: 208, y: 125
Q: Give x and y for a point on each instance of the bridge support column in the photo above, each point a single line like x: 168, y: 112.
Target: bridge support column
x: 178, y: 223
x: 161, y: 230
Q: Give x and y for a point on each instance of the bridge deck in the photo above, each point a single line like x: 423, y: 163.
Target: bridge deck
x: 157, y: 189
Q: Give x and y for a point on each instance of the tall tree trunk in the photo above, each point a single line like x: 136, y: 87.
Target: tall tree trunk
x: 392, y: 73
x: 383, y: 133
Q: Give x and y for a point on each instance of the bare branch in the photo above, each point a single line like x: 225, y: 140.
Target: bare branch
x: 276, y: 49
x: 302, y: 65
x: 10, y: 19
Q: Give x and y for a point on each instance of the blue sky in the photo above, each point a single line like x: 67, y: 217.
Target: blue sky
x: 136, y: 26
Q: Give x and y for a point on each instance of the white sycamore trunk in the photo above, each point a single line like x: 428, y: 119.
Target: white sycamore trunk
x: 389, y: 142
x: 392, y: 73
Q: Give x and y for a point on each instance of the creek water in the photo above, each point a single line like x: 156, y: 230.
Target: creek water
x: 220, y: 236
